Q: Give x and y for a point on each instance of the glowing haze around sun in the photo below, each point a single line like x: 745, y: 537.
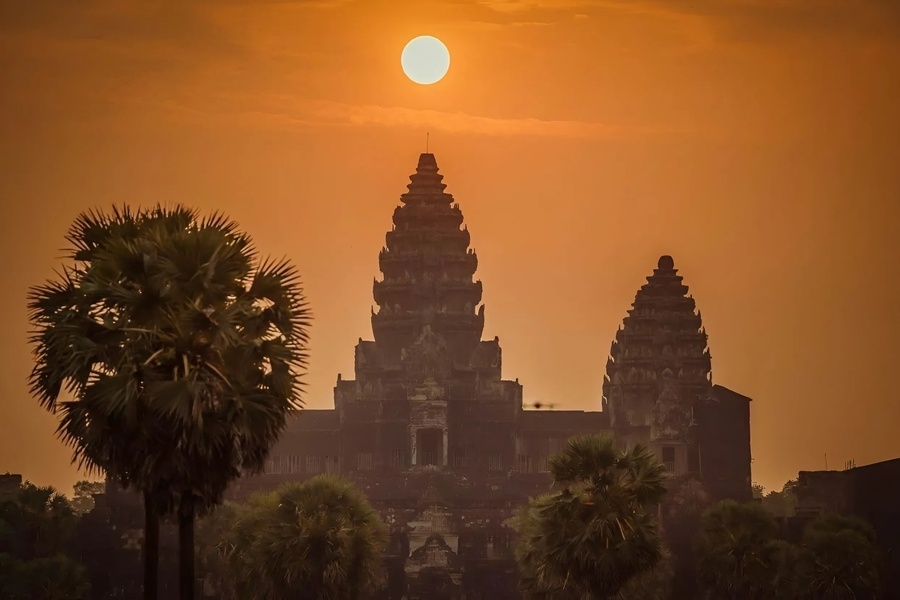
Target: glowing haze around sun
x: 425, y: 60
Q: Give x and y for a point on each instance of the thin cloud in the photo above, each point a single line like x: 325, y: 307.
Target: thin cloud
x: 495, y: 25
x: 740, y: 20
x: 287, y: 113
x: 517, y: 6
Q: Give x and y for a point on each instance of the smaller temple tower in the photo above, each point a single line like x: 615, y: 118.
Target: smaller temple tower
x: 658, y: 370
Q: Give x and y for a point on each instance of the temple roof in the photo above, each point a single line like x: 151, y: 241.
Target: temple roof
x: 663, y: 303
x: 720, y: 393
x: 563, y: 421
x: 426, y: 183
x: 427, y: 269
x: 664, y: 282
x: 662, y: 337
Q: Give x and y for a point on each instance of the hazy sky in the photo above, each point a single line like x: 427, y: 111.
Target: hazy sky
x: 757, y: 142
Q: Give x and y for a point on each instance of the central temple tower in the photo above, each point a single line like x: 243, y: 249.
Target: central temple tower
x: 428, y: 385
x: 427, y: 267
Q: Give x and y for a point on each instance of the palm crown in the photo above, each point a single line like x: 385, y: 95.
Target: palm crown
x: 175, y: 343
x: 599, y: 529
x: 317, y: 540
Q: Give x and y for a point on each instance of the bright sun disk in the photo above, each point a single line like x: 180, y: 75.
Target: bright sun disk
x: 425, y: 60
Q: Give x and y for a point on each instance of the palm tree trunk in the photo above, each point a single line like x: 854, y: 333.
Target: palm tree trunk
x: 151, y: 548
x: 186, y: 548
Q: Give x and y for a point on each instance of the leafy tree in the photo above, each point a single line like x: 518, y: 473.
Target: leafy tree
x: 317, y: 540
x: 759, y: 492
x: 37, y: 522
x: 598, y: 530
x: 739, y: 553
x: 36, y: 527
x: 783, y: 503
x: 839, y: 560
x: 83, y: 496
x: 181, y: 352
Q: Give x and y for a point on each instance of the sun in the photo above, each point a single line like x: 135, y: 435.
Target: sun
x: 425, y: 60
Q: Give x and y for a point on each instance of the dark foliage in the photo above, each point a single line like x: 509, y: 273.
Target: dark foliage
x: 599, y: 530
x: 36, y: 529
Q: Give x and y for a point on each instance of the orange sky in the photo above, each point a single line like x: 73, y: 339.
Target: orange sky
x: 757, y: 142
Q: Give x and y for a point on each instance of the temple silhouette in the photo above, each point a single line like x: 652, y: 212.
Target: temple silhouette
x: 441, y: 444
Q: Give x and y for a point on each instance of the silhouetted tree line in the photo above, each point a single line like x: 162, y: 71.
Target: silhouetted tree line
x: 37, y: 526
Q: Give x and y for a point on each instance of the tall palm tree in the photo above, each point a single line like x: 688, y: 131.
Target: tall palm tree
x: 598, y: 530
x: 180, y: 353
x: 317, y: 540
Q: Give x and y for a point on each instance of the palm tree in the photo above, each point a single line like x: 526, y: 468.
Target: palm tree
x: 597, y: 531
x: 317, y: 540
x: 839, y: 560
x: 180, y: 352
x: 739, y: 553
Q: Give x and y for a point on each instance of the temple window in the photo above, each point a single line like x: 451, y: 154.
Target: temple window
x: 495, y: 461
x: 397, y: 459
x: 314, y: 465
x: 462, y: 457
x: 524, y: 463
x: 668, y: 458
x: 331, y: 464
x: 430, y: 446
x: 543, y: 463
x: 364, y: 461
x: 284, y: 465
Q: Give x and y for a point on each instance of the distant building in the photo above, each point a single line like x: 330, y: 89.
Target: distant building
x: 871, y: 492
x: 9, y: 486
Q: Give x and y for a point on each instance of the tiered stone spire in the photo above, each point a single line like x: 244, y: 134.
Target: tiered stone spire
x: 659, y: 363
x: 427, y: 269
